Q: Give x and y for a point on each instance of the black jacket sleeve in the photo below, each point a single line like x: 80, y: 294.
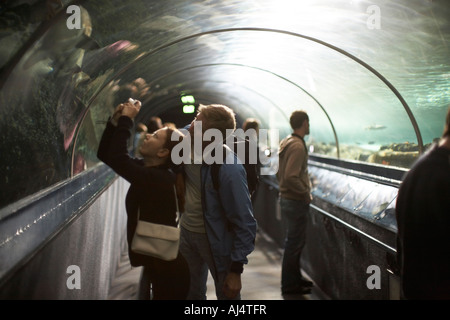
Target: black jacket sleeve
x: 105, y: 141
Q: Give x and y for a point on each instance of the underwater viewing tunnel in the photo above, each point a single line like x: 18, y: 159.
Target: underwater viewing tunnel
x: 373, y: 77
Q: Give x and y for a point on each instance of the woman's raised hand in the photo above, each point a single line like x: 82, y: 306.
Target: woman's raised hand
x: 131, y: 108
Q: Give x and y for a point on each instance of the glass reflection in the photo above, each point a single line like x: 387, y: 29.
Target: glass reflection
x: 57, y: 85
x: 44, y: 98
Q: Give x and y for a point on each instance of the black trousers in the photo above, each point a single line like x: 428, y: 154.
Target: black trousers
x: 165, y: 280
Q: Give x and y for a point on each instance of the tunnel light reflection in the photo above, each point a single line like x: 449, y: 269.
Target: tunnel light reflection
x: 188, y: 108
x: 188, y: 99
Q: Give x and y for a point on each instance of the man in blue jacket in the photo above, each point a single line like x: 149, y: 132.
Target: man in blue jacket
x: 217, y: 226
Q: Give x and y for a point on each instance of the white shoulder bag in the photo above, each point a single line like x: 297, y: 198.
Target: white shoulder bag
x: 157, y: 240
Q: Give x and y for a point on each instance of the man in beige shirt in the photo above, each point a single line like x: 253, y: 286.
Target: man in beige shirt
x: 295, y: 197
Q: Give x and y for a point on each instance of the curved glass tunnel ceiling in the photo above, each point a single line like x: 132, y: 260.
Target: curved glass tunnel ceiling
x: 369, y: 73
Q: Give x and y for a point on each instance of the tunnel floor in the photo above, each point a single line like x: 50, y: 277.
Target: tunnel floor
x: 260, y: 280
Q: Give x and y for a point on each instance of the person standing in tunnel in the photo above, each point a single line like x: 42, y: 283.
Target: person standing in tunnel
x: 251, y: 127
x: 154, y: 123
x: 218, y: 229
x: 139, y: 135
x: 423, y: 221
x: 151, y: 193
x: 295, y: 198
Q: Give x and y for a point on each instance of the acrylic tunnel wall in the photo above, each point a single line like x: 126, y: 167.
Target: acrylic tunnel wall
x: 372, y: 75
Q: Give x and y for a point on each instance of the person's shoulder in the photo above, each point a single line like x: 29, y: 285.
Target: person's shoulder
x: 295, y: 145
x: 230, y: 160
x: 433, y: 155
x: 435, y: 162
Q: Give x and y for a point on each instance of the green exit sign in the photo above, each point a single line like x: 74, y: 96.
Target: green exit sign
x: 188, y: 103
x: 188, y: 108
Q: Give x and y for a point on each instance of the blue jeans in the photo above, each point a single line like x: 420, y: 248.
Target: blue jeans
x: 295, y: 216
x: 197, y: 252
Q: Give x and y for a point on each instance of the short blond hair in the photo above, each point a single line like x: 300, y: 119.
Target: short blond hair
x: 218, y: 116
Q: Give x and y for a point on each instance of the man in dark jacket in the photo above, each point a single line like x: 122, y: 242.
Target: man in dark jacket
x: 423, y: 219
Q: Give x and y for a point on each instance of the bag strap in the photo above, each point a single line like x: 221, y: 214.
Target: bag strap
x: 177, y: 211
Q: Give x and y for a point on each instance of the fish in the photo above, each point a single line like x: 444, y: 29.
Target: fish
x: 376, y: 127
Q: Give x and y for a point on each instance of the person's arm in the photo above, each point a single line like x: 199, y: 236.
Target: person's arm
x: 239, y: 213
x: 105, y: 141
x: 129, y: 168
x: 115, y: 151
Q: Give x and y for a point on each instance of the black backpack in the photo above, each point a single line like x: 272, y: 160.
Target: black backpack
x: 250, y: 168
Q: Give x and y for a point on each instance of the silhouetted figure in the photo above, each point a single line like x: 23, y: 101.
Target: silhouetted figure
x: 423, y: 219
x: 139, y: 135
x: 253, y: 125
x: 154, y: 124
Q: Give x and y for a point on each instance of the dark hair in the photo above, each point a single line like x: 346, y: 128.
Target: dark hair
x: 169, y: 144
x: 140, y: 127
x: 297, y: 118
x: 154, y: 123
